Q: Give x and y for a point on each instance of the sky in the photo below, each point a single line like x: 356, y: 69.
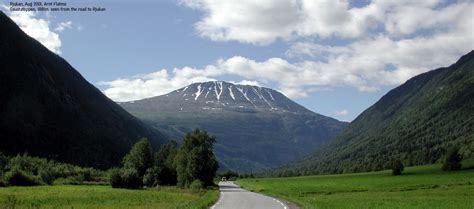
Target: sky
x: 335, y: 57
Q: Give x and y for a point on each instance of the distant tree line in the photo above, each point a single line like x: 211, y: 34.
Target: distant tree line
x: 193, y: 164
x: 451, y: 162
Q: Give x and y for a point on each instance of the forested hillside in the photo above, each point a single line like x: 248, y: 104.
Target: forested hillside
x: 416, y: 122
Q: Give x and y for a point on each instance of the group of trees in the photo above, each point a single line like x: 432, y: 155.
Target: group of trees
x: 193, y: 164
x: 25, y: 170
x: 452, y: 162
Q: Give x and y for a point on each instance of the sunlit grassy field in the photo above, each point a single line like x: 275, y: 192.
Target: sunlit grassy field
x: 420, y: 187
x: 95, y: 196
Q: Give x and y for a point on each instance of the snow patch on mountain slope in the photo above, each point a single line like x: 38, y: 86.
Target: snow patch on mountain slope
x: 231, y: 93
x: 199, y: 92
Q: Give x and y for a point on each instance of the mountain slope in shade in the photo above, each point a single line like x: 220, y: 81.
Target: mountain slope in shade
x: 256, y: 128
x: 48, y: 109
x: 416, y: 122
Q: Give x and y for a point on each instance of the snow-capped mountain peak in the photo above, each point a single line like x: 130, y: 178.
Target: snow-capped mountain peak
x: 221, y: 95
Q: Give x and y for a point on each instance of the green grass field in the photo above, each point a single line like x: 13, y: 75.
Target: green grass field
x: 420, y: 187
x: 93, y: 196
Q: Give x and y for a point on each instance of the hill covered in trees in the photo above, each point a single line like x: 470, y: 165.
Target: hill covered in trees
x: 417, y: 123
x: 48, y: 109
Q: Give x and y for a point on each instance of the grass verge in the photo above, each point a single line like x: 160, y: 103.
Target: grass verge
x: 99, y: 196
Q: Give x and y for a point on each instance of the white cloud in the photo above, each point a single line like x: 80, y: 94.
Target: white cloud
x: 383, y: 44
x: 156, y: 83
x: 37, y: 28
x: 247, y: 82
x: 63, y: 25
x: 367, y: 65
x: 258, y: 22
x: 341, y: 112
x: 262, y: 22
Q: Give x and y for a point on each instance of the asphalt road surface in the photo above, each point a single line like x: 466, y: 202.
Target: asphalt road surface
x: 234, y: 197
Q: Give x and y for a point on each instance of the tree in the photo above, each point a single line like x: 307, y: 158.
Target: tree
x: 164, y: 161
x: 152, y: 176
x: 195, y: 159
x: 397, y: 167
x: 453, y: 160
x: 140, y: 157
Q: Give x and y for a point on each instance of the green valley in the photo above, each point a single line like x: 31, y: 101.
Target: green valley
x: 419, y: 187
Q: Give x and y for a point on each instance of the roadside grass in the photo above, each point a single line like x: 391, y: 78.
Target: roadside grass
x: 99, y: 196
x: 418, y: 187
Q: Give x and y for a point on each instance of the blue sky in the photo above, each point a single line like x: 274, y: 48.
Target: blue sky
x: 336, y: 58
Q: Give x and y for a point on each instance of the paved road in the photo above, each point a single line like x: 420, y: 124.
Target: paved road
x: 234, y: 197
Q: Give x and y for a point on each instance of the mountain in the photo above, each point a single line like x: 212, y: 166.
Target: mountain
x: 48, y: 109
x: 416, y: 122
x: 256, y: 128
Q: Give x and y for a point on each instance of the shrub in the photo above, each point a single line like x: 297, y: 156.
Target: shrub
x: 17, y: 177
x: 115, y: 178
x: 151, y: 177
x: 28, y: 164
x: 87, y: 174
x: 47, y: 176
x: 196, y: 185
x: 397, y: 167
x: 131, y: 179
x: 125, y: 178
x: 453, y: 160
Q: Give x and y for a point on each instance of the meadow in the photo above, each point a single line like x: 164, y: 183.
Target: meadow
x: 103, y: 196
x: 418, y: 187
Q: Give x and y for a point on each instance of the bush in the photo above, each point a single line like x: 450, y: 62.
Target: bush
x: 28, y: 164
x: 47, y: 176
x: 131, y: 179
x: 196, y: 185
x: 151, y: 177
x: 17, y: 177
x: 397, y: 167
x: 115, y: 178
x: 125, y: 178
x: 453, y: 160
x: 86, y: 174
